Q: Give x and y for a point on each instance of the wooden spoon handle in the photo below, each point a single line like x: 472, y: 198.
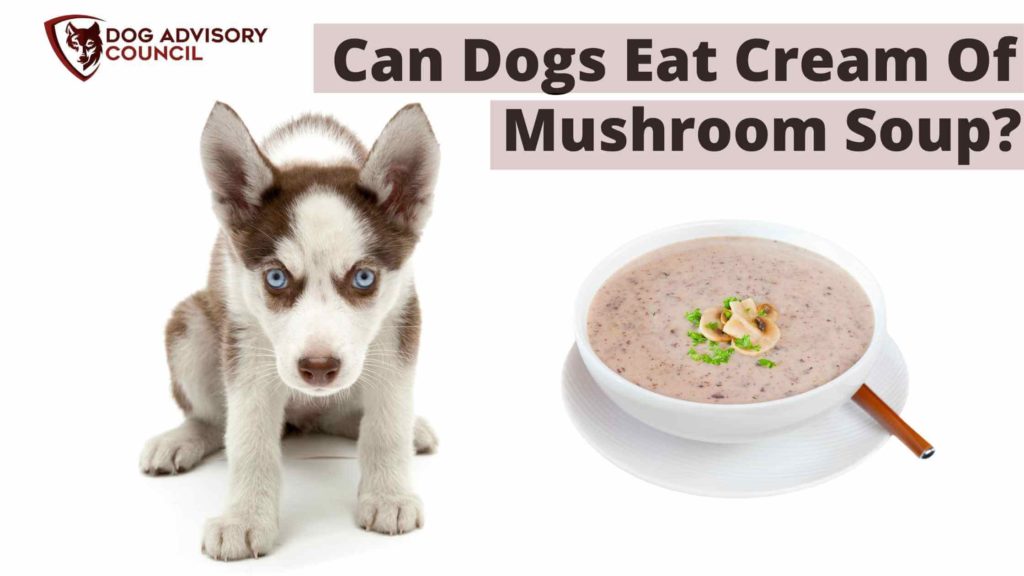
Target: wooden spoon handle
x: 891, y: 421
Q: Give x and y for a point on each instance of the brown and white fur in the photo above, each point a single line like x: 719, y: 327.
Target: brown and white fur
x: 320, y: 353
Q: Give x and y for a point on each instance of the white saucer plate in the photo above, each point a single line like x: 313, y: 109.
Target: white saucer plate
x: 822, y: 449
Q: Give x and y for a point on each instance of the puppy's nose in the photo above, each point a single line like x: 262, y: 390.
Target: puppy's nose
x: 319, y: 371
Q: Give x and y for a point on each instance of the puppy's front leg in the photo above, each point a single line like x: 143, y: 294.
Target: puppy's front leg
x: 248, y: 527
x: 387, y: 503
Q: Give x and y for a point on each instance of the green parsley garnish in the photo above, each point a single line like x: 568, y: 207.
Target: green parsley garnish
x: 697, y: 337
x: 766, y: 363
x: 716, y: 357
x: 762, y: 312
x: 694, y: 317
x: 714, y: 325
x: 744, y: 343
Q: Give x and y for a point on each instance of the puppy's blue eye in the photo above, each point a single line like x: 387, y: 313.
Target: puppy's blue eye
x: 276, y: 278
x: 364, y: 279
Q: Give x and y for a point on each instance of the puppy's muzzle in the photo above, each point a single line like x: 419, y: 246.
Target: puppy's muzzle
x: 319, y: 371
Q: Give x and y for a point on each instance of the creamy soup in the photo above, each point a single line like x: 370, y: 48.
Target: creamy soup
x: 638, y: 323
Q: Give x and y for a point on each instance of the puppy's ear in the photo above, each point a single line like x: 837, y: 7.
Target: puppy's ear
x: 402, y: 167
x: 236, y: 170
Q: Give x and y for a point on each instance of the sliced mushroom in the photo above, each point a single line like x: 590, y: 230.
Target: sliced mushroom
x: 727, y: 311
x: 711, y: 325
x: 769, y: 333
x: 723, y: 318
x: 763, y: 332
x: 739, y: 324
x: 749, y: 307
x: 766, y: 310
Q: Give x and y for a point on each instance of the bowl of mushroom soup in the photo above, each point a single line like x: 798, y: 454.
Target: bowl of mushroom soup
x: 729, y: 331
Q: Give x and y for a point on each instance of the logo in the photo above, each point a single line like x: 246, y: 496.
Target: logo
x: 82, y: 42
x: 78, y: 42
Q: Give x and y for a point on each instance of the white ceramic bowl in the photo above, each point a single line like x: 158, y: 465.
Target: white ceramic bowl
x: 727, y: 423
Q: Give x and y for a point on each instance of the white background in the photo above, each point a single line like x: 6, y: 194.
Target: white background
x: 106, y: 224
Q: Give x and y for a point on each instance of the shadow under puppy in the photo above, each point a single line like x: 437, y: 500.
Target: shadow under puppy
x: 309, y: 317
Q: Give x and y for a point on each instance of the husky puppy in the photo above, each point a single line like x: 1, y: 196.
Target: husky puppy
x: 309, y: 317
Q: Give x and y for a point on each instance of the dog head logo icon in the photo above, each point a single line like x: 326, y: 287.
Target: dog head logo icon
x: 78, y: 42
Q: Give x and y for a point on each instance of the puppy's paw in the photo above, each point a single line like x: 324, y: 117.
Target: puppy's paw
x: 172, y: 452
x: 424, y: 438
x: 236, y: 537
x: 390, y: 514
